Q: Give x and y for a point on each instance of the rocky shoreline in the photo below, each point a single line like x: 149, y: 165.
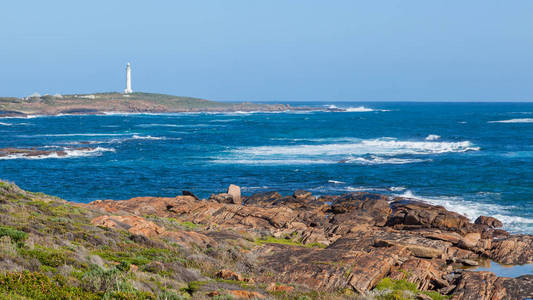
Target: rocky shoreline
x: 269, y: 246
x: 105, y: 103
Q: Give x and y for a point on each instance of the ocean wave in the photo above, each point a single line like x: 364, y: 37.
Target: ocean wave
x: 359, y: 109
x: 222, y: 120
x: 336, y: 182
x: 352, y: 109
x: 69, y: 153
x: 275, y: 162
x: 363, y: 147
x: 148, y: 137
x: 14, y: 124
x: 74, y: 134
x: 474, y: 209
x: 397, y: 188
x: 523, y: 120
x: 432, y: 137
x: 158, y: 125
x: 377, y: 160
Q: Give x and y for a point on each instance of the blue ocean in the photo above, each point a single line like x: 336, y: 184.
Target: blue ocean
x: 472, y: 158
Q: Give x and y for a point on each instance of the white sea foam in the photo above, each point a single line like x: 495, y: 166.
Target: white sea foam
x: 524, y: 120
x: 147, y: 137
x: 158, y: 125
x: 359, y: 109
x: 474, y: 209
x: 70, y: 153
x: 377, y: 160
x: 336, y: 182
x: 397, y: 188
x: 352, y: 109
x: 222, y: 120
x: 5, y: 124
x: 432, y: 137
x: 273, y: 161
x: 372, y: 146
x: 74, y: 134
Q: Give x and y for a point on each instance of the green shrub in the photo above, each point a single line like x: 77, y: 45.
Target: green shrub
x: 48, y: 257
x: 15, y: 235
x: 193, y: 287
x: 390, y: 284
x: 39, y: 286
x: 403, y: 289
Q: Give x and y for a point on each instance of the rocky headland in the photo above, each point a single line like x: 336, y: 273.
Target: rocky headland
x: 102, y: 103
x: 262, y: 246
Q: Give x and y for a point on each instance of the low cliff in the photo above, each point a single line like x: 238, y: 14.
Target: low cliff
x: 264, y: 246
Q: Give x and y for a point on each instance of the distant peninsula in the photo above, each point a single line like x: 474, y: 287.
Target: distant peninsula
x: 100, y: 103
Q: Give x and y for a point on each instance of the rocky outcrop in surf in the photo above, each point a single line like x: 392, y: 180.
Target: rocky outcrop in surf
x: 51, y: 152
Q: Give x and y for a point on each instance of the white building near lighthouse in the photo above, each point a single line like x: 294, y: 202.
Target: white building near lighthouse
x: 128, y: 80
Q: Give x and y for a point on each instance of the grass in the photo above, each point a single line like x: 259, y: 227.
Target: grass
x: 139, y: 256
x: 403, y: 290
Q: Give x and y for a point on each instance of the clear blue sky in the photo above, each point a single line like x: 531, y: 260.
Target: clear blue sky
x: 443, y: 50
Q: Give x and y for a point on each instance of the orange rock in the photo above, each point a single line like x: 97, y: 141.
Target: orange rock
x: 229, y: 275
x: 134, y: 225
x: 140, y: 226
x: 242, y: 294
x: 279, y: 288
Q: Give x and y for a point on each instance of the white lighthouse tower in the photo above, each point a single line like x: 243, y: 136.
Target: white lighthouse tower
x: 128, y: 80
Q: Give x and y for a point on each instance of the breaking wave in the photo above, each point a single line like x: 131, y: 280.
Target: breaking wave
x: 69, y: 153
x: 353, y: 109
x: 74, y: 134
x: 432, y: 137
x: 474, y: 209
x: 147, y: 137
x: 359, y: 109
x: 273, y: 161
x: 345, y: 151
x: 372, y: 146
x: 336, y: 182
x: 524, y: 120
x: 377, y: 160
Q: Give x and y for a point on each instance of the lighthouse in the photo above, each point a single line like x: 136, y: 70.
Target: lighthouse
x: 128, y: 80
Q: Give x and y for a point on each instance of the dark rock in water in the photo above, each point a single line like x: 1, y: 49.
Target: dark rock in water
x: 34, y: 152
x: 259, y: 198
x: 489, y: 221
x: 187, y: 193
x: 301, y: 194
